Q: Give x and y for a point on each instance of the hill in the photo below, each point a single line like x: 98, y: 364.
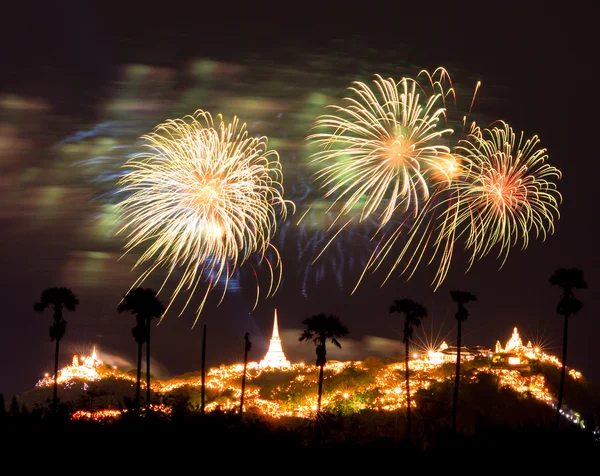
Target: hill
x: 369, y: 394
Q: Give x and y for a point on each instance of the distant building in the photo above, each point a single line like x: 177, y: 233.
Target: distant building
x: 480, y: 351
x: 447, y: 353
x: 514, y: 353
x: 82, y: 367
x: 275, y: 358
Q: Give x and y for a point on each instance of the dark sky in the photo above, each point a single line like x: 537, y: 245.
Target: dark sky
x: 539, y: 65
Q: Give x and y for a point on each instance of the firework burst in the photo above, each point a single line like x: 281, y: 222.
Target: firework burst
x: 384, y: 154
x: 378, y: 149
x: 202, y: 199
x: 496, y: 191
x: 507, y: 192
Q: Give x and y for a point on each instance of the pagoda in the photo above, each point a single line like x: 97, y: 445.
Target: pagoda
x: 275, y: 358
x: 515, y: 346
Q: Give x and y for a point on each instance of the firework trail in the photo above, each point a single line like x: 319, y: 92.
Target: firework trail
x: 202, y: 199
x: 378, y: 149
x: 502, y: 191
x: 507, y: 193
x: 385, y: 155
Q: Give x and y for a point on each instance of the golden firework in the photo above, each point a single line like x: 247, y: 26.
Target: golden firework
x: 377, y: 151
x: 202, y: 199
x: 384, y: 155
x: 496, y: 191
x: 508, y: 191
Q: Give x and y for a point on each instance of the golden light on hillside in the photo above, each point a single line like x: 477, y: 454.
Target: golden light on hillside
x: 293, y: 390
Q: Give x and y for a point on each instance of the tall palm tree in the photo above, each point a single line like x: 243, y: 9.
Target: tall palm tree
x: 413, y: 313
x: 319, y: 328
x: 567, y: 280
x: 139, y: 334
x: 143, y: 303
x: 57, y: 298
x: 462, y: 314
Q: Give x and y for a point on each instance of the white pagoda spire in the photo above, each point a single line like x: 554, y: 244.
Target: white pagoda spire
x: 275, y: 356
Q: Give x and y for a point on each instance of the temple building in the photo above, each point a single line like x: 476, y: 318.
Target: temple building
x: 275, y: 358
x: 516, y: 351
x: 82, y: 367
x: 446, y: 353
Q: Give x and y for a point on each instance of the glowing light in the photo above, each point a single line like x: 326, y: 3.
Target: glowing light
x: 381, y: 154
x: 515, y: 343
x: 275, y: 357
x: 387, y: 389
x: 204, y: 199
x: 508, y: 191
x: 447, y: 167
x: 575, y: 374
x: 108, y: 414
x: 378, y: 149
x: 502, y: 192
x: 82, y: 367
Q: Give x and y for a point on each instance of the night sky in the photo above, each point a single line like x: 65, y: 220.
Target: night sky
x: 67, y: 69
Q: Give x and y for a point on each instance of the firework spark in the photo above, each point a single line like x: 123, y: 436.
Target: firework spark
x: 203, y: 200
x: 507, y: 194
x: 500, y: 191
x: 385, y: 153
x: 377, y: 151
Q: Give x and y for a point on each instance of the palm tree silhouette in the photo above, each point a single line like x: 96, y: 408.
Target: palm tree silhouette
x: 143, y: 303
x: 57, y: 298
x: 319, y: 328
x: 567, y: 280
x: 462, y: 314
x: 413, y: 313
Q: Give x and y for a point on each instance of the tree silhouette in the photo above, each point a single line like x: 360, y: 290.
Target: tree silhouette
x: 3, y: 412
x: 57, y: 298
x: 567, y: 280
x: 143, y: 303
x: 319, y: 328
x: 14, y: 410
x: 203, y: 372
x: 413, y: 313
x: 462, y: 314
x: 247, y: 347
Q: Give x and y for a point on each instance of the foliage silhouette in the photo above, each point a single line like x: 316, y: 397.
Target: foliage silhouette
x: 57, y: 298
x: 462, y: 314
x: 319, y: 328
x: 567, y: 280
x: 413, y: 313
x: 143, y: 303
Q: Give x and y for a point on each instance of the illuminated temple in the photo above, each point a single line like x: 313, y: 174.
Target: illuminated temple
x: 515, y: 349
x: 275, y: 358
x: 82, y: 367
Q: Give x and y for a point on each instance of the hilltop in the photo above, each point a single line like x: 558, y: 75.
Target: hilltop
x: 497, y: 388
